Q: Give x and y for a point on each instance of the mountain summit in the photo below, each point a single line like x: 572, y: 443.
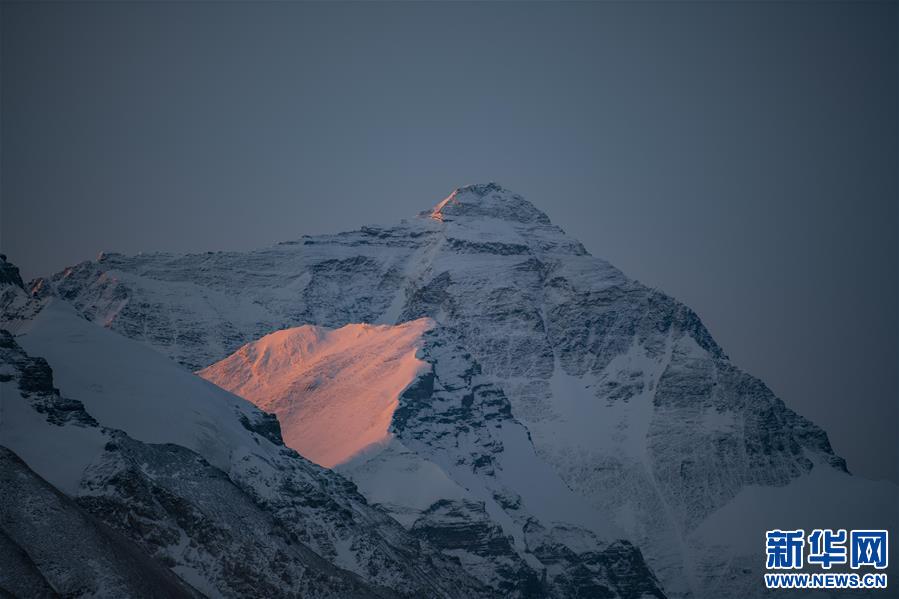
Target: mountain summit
x: 489, y: 200
x: 567, y: 422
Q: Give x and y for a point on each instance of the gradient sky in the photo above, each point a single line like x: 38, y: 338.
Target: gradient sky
x: 740, y: 156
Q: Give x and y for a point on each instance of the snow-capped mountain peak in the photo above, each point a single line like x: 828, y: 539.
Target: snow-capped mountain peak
x: 487, y: 200
x: 544, y: 361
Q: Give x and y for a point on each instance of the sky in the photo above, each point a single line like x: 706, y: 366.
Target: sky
x: 741, y: 157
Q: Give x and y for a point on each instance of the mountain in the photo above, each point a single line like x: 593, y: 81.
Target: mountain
x: 550, y: 380
x: 154, y: 479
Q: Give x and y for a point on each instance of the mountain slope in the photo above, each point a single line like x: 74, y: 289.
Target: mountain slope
x: 623, y: 392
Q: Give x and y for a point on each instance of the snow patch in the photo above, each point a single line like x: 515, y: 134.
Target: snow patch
x: 400, y: 480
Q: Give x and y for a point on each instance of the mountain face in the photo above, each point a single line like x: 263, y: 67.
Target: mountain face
x: 560, y: 409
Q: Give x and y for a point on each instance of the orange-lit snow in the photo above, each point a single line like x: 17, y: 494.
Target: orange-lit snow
x: 437, y: 212
x: 334, y: 391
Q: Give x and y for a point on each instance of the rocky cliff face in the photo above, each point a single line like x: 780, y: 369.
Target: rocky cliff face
x: 51, y: 546
x: 618, y: 390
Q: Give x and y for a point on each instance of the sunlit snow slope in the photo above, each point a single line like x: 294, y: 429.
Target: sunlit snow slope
x: 334, y: 391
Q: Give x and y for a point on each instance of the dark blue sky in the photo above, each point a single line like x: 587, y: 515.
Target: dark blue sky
x: 739, y: 156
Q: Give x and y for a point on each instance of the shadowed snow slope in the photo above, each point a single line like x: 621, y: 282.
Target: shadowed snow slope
x: 334, y: 392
